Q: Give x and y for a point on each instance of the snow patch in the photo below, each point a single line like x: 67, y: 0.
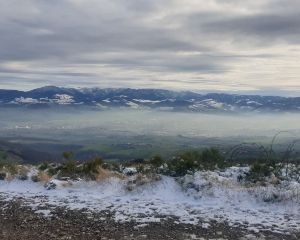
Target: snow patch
x: 63, y: 99
x: 26, y: 100
x: 146, y: 101
x: 194, y: 199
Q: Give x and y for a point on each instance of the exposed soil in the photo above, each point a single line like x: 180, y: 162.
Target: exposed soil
x: 21, y: 222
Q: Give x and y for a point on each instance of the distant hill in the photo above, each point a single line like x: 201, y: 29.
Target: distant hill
x: 148, y: 98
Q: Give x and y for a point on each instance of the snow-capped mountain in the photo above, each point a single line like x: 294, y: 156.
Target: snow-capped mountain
x: 148, y: 98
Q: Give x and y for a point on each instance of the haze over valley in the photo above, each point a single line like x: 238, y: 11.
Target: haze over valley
x: 117, y: 133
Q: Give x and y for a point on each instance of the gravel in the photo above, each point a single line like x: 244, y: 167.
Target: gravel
x: 18, y: 221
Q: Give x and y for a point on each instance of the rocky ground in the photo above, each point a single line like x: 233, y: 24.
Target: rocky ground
x: 17, y: 221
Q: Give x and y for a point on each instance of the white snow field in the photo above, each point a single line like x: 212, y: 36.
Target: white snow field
x: 194, y: 199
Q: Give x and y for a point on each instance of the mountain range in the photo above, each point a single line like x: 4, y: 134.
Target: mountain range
x: 51, y: 96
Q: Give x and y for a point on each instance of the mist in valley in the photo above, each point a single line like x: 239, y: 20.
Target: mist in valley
x: 151, y: 122
x: 129, y: 134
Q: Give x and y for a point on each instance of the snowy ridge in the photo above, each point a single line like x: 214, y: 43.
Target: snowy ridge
x: 150, y: 98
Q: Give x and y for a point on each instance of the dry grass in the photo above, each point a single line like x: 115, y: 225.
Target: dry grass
x: 43, y: 177
x: 104, y: 174
x: 23, y: 170
x: 9, y: 177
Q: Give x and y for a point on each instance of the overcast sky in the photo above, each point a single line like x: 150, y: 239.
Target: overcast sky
x: 246, y: 46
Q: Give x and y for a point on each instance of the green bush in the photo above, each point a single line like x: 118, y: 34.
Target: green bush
x: 259, y: 171
x: 156, y: 161
x: 43, y: 166
x: 179, y: 166
x: 68, y: 155
x: 211, y: 158
x: 52, y: 170
x: 68, y: 168
x: 207, y: 159
x: 92, y: 166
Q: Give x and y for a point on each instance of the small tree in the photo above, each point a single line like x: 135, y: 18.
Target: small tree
x: 68, y: 155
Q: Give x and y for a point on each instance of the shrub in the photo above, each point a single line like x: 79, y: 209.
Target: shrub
x: 92, y: 166
x: 211, y: 158
x: 22, y: 177
x: 207, y: 159
x: 112, y: 166
x: 40, y: 177
x: 141, y: 168
x: 2, y: 175
x: 68, y: 155
x: 43, y: 166
x: 22, y: 172
x: 68, y: 169
x: 179, y: 166
x: 52, y: 170
x: 11, y: 168
x: 70, y: 166
x: 259, y: 171
x: 35, y: 178
x: 156, y: 161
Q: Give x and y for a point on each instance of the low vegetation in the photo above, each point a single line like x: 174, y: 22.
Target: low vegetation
x: 11, y: 170
x: 266, y: 166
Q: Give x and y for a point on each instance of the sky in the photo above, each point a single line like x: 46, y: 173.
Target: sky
x: 240, y: 46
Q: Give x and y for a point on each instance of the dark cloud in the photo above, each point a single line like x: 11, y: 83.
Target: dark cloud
x: 62, y: 30
x: 261, y: 27
x: 271, y: 22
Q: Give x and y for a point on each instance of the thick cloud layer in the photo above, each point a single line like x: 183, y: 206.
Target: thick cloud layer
x: 211, y: 45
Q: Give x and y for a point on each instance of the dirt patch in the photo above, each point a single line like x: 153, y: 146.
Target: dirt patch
x: 20, y: 222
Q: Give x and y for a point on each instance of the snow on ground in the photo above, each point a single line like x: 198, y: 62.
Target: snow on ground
x: 194, y: 199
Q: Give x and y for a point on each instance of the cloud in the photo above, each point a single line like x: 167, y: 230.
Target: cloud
x: 213, y: 44
x: 263, y: 28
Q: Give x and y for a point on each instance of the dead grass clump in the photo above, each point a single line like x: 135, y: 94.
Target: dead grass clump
x: 41, y: 176
x: 104, y: 174
x: 22, y: 172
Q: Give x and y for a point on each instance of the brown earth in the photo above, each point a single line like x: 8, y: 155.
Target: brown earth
x: 18, y: 222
